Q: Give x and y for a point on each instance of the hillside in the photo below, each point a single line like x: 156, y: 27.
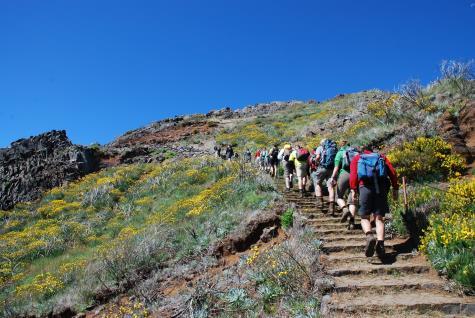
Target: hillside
x: 152, y: 224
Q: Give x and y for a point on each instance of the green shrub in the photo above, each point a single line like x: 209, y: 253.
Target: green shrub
x: 287, y: 218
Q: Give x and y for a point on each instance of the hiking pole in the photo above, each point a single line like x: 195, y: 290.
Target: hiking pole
x: 404, y: 191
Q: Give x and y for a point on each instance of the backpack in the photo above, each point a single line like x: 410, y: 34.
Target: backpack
x: 371, y: 167
x: 313, y: 161
x: 286, y: 155
x: 274, y: 154
x: 302, y: 154
x: 348, y: 156
x: 329, y: 154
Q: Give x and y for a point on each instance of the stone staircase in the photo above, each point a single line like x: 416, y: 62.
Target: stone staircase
x: 402, y: 285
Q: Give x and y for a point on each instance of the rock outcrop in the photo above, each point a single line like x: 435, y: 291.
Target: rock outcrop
x: 39, y: 163
x: 460, y: 130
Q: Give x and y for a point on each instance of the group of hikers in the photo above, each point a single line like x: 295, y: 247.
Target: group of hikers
x: 356, y: 179
x: 228, y: 152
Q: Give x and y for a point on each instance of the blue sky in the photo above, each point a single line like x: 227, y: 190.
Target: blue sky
x: 98, y: 68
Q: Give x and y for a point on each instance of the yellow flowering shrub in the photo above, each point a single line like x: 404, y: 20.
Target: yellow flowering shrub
x: 427, y: 158
x: 449, y: 241
x: 382, y: 109
x: 43, y: 285
x: 206, y: 198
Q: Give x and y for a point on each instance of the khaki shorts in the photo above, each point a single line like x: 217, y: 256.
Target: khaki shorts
x: 302, y: 170
x: 343, y: 186
x: 321, y: 175
x: 289, y: 168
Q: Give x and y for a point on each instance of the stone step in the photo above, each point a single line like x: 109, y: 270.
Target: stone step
x: 388, y: 282
x: 322, y: 231
x: 346, y: 238
x: 351, y: 258
x: 331, y: 226
x: 395, y: 269
x: 326, y: 220
x: 376, y: 304
x: 355, y: 246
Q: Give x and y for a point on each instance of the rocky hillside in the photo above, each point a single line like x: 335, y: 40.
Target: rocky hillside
x: 33, y: 165
x: 152, y: 225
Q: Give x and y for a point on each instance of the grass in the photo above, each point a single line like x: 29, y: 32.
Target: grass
x: 107, y: 229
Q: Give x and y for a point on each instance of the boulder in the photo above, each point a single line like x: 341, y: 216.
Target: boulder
x: 39, y: 163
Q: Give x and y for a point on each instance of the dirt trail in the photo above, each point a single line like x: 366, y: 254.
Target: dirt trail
x: 402, y: 285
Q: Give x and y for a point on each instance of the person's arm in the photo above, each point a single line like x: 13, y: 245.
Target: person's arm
x: 393, y: 177
x: 338, y: 158
x: 280, y: 156
x: 392, y: 174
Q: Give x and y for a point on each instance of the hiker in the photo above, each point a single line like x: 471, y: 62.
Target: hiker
x: 247, y: 155
x: 264, y: 160
x: 274, y: 160
x: 289, y: 166
x: 371, y: 174
x: 324, y: 157
x: 257, y: 157
x: 341, y: 173
x: 217, y: 151
x: 300, y: 157
x: 229, y: 152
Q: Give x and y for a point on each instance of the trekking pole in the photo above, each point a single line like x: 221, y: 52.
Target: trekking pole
x: 404, y: 191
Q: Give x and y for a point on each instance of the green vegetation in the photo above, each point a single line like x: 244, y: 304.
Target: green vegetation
x: 273, y: 281
x: 287, y: 218
x: 449, y: 241
x: 106, y: 230
x: 427, y: 158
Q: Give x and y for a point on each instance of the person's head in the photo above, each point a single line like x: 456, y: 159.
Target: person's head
x: 343, y: 143
x: 276, y: 146
x: 287, y: 147
x: 367, y: 147
x: 322, y: 142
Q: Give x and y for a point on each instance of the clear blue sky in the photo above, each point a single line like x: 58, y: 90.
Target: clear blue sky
x: 98, y: 68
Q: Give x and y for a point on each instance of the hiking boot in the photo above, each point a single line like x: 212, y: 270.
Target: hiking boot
x: 351, y: 224
x: 370, y: 243
x: 380, y: 249
x: 346, y: 215
x: 287, y: 189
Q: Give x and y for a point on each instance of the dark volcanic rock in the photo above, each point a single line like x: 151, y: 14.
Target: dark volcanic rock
x: 460, y: 130
x: 39, y: 163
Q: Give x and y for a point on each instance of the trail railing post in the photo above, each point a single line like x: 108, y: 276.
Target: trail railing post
x: 404, y: 191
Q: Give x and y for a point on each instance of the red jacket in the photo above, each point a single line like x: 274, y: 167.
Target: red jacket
x: 354, y: 182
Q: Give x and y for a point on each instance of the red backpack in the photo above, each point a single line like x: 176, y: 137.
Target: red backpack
x: 302, y: 154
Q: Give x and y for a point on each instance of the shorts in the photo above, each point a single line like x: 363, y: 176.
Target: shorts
x: 321, y: 175
x: 289, y: 169
x: 302, y: 170
x: 372, y: 202
x: 273, y: 162
x: 343, y: 187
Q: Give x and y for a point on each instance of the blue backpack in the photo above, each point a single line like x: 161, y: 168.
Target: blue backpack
x: 329, y: 154
x: 371, y: 167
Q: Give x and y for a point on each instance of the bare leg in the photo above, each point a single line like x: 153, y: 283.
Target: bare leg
x: 379, y: 228
x: 318, y: 190
x: 365, y: 224
x: 352, y: 208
